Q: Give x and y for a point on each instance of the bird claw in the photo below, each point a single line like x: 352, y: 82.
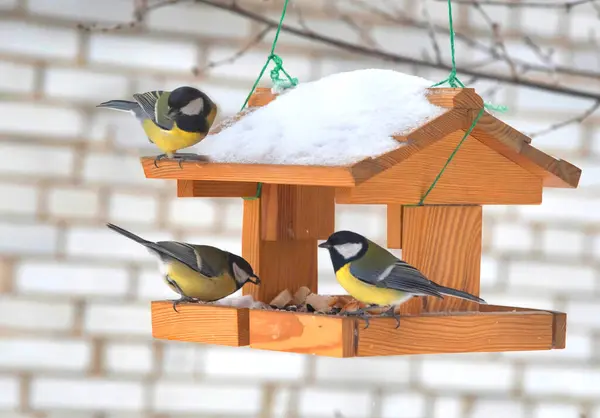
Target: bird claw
x: 158, y: 158
x: 391, y: 313
x: 181, y: 157
x: 360, y: 313
x: 181, y: 300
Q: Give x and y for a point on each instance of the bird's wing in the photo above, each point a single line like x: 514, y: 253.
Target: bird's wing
x: 406, y: 278
x: 381, y: 268
x: 154, y: 105
x: 187, y: 254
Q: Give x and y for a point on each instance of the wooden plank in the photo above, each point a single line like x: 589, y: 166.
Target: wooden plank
x: 457, y: 333
x: 394, y: 226
x: 302, y: 333
x: 200, y: 323
x: 279, y: 264
x: 458, y: 98
x: 262, y: 96
x: 559, y: 323
x: 297, y: 212
x: 476, y: 175
x: 199, y: 188
x: 444, y: 243
x: 515, y: 145
x: 265, y: 173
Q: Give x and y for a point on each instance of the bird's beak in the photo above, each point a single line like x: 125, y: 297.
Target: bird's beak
x: 255, y: 281
x: 324, y: 245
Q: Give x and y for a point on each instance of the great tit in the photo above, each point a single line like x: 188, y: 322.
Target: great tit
x: 197, y: 272
x: 374, y: 276
x: 171, y: 120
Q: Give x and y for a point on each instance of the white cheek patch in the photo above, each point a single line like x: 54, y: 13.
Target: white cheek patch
x: 348, y: 250
x: 240, y: 275
x: 194, y: 107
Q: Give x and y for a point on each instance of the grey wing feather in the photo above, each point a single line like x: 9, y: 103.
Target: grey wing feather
x: 406, y: 278
x: 186, y: 254
x: 147, y: 102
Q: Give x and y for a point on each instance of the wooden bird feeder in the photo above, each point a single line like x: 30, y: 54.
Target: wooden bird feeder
x: 496, y: 165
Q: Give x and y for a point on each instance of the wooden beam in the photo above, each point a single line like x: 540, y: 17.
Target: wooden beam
x: 265, y: 173
x: 211, y: 188
x: 302, y: 333
x: 394, y: 226
x: 444, y: 242
x: 457, y: 98
x: 297, y: 212
x: 279, y: 237
x: 457, y: 333
x: 476, y: 175
x: 262, y: 96
x: 207, y: 324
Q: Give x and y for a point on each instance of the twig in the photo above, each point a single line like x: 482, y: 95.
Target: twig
x: 238, y: 54
x: 576, y: 119
x: 544, y: 4
x: 431, y: 30
x: 396, y: 58
x: 546, y: 58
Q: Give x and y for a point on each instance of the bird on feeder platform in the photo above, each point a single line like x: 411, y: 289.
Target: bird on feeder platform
x: 197, y: 272
x: 172, y: 120
x: 374, y: 276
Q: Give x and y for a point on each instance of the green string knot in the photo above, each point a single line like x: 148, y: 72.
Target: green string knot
x: 279, y: 84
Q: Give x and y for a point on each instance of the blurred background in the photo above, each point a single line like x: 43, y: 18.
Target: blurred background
x: 75, y: 332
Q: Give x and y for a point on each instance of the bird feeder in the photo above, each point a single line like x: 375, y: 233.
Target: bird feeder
x: 496, y: 165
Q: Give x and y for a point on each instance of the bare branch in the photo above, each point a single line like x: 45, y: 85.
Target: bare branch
x: 431, y: 30
x: 546, y: 58
x: 567, y: 5
x: 397, y: 58
x: 234, y: 57
x: 577, y: 119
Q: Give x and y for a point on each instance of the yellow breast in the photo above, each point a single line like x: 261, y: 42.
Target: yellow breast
x: 195, y: 285
x: 173, y: 140
x: 367, y: 293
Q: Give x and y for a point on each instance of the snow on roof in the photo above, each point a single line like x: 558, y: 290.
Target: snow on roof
x: 337, y: 120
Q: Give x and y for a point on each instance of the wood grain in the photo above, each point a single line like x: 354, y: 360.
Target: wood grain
x: 297, y: 212
x: 515, y: 146
x: 265, y: 173
x: 200, y: 323
x: 279, y: 264
x: 458, y: 98
x: 198, y: 188
x: 476, y: 175
x: 394, y: 226
x: 302, y: 333
x: 559, y: 323
x: 444, y: 243
x: 457, y: 333
x: 262, y: 96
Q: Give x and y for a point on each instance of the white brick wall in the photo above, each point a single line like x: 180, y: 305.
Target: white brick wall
x: 75, y: 338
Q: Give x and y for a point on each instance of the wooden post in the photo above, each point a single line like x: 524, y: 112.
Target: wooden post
x: 280, y: 235
x: 444, y: 242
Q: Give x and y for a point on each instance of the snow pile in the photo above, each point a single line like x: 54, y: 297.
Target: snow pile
x: 337, y: 120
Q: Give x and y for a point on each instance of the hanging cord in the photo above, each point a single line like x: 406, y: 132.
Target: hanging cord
x: 454, y: 82
x: 279, y: 83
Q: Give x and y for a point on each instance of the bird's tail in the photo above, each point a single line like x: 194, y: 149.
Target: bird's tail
x: 122, y: 105
x: 131, y: 235
x: 459, y: 294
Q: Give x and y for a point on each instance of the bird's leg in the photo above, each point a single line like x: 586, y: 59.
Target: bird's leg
x: 158, y: 158
x: 360, y: 313
x: 188, y: 156
x: 391, y: 312
x: 182, y: 299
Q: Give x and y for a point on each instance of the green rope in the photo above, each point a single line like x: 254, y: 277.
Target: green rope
x: 454, y: 82
x: 467, y: 133
x: 275, y: 78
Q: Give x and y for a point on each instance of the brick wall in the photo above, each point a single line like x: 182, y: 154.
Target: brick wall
x: 74, y: 318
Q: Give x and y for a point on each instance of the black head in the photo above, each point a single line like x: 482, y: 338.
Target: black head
x: 188, y: 101
x: 344, y: 247
x: 242, y: 271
